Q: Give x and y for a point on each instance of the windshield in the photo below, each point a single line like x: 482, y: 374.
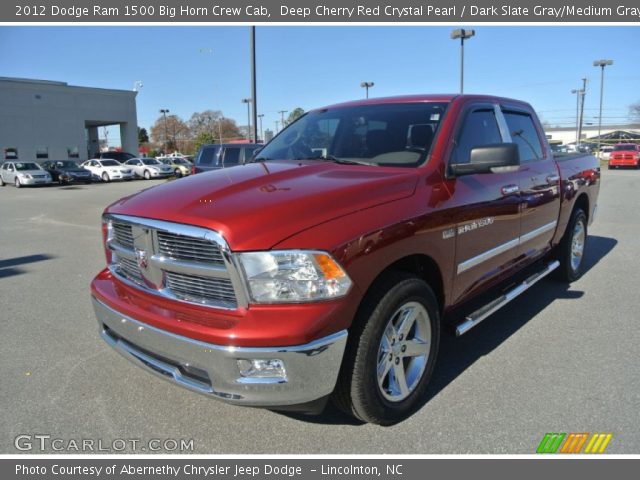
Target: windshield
x: 110, y: 163
x: 624, y: 147
x: 150, y: 161
x: 66, y: 164
x: 27, y: 166
x: 397, y: 134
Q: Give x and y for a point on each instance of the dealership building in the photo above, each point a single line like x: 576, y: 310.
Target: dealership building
x: 41, y: 120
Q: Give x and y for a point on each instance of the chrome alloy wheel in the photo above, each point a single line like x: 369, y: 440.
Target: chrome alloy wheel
x: 403, y: 352
x: 577, y: 245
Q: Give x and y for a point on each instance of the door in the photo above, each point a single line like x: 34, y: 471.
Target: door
x: 487, y: 207
x: 539, y: 184
x: 10, y: 173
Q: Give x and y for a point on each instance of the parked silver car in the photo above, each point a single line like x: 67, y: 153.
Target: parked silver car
x: 148, y: 168
x: 23, y: 173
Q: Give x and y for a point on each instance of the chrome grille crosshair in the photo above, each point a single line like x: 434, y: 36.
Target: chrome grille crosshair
x: 181, y: 262
x: 180, y: 247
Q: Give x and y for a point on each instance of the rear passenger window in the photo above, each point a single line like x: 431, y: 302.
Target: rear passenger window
x: 231, y: 157
x: 480, y: 128
x: 524, y: 134
x: 207, y: 156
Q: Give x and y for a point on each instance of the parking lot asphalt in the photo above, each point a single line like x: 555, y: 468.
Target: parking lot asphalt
x: 558, y: 359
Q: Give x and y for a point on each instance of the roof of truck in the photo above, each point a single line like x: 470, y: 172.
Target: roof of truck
x: 443, y: 97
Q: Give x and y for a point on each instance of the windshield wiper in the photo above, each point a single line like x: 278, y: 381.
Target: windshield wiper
x: 331, y: 158
x: 258, y: 159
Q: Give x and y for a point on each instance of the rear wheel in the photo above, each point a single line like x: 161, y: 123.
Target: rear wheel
x: 391, y: 353
x: 105, y: 177
x: 572, y: 247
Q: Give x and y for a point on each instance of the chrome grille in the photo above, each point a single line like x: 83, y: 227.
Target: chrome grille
x: 180, y: 262
x: 129, y: 268
x: 195, y: 288
x: 182, y: 247
x: 123, y: 235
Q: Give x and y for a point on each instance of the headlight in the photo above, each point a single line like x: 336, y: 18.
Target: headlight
x: 293, y: 276
x: 25, y: 175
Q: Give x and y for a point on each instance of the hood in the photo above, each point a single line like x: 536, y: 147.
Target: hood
x: 256, y: 206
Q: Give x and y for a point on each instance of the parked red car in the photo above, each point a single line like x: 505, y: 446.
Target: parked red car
x: 332, y: 262
x: 625, y: 155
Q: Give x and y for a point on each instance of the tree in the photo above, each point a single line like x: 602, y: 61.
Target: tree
x: 214, y: 123
x: 143, y: 136
x: 294, y: 115
x: 204, y: 138
x: 172, y: 133
x: 634, y: 111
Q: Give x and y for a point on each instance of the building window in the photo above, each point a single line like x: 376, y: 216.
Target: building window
x: 11, y: 153
x: 42, y: 152
x: 73, y: 152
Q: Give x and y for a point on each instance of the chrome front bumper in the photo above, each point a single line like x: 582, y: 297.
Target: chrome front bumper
x: 311, y: 369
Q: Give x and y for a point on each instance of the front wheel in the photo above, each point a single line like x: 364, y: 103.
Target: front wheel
x: 147, y: 175
x: 572, y: 247
x: 391, y: 352
x: 17, y: 183
x: 177, y: 173
x: 105, y: 177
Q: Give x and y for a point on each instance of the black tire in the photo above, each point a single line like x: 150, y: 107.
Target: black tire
x: 17, y: 182
x: 2, y: 184
x: 105, y: 177
x: 569, y: 271
x: 358, y: 391
x: 147, y: 175
x: 177, y: 173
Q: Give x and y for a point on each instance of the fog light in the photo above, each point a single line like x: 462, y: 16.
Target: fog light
x: 264, y: 369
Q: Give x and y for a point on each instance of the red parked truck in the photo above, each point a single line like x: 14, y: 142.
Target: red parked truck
x: 625, y: 155
x: 331, y: 263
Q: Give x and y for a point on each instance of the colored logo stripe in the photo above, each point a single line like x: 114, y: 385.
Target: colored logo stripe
x: 598, y: 443
x: 550, y: 442
x: 573, y: 443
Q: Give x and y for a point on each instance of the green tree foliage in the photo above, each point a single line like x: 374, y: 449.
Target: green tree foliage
x: 294, y: 115
x: 143, y: 136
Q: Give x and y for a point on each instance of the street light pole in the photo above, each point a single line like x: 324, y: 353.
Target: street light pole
x: 601, y: 63
x: 577, y: 92
x: 248, y: 102
x: 462, y: 34
x: 260, y: 117
x: 367, y: 86
x: 253, y: 85
x: 583, y: 94
x: 282, y: 112
x: 164, y: 112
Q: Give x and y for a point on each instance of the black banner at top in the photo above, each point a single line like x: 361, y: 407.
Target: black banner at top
x: 319, y: 11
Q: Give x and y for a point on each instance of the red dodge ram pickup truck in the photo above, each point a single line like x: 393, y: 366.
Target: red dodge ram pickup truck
x: 330, y: 264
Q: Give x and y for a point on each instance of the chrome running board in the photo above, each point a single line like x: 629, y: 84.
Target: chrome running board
x: 483, y: 312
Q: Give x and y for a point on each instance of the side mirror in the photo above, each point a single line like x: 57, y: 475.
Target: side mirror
x: 495, y: 158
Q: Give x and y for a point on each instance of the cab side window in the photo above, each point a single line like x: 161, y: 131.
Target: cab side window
x: 524, y: 135
x: 479, y: 128
x: 231, y: 157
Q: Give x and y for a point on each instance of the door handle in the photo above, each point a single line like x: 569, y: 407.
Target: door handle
x: 509, y: 189
x: 553, y: 179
